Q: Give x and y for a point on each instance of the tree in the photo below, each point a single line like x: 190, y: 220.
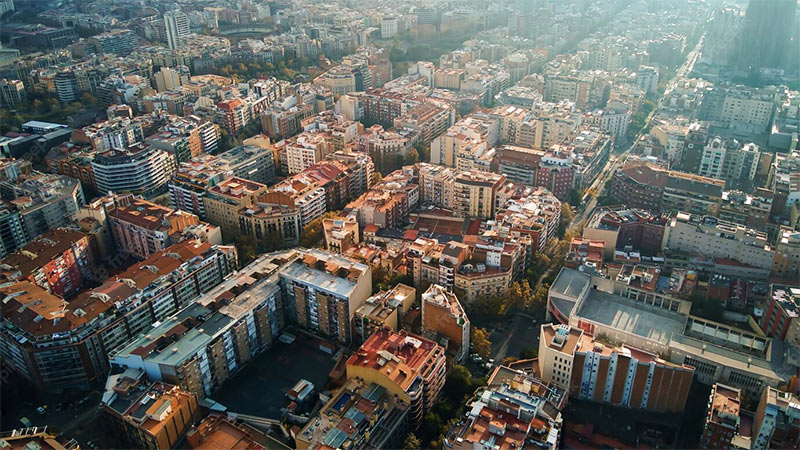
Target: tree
x: 521, y: 293
x: 508, y: 360
x: 481, y: 343
x: 412, y: 442
x: 529, y: 353
x: 312, y: 233
x: 412, y: 157
x: 246, y: 249
x: 575, y: 198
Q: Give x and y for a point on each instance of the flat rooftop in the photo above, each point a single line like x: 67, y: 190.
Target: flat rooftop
x: 570, y: 283
x: 649, y: 322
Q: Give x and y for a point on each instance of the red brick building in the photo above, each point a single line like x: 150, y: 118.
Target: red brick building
x: 60, y: 261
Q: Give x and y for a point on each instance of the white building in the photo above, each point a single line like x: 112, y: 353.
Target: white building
x: 716, y: 238
x: 141, y: 169
x: 177, y: 28
x: 389, y: 27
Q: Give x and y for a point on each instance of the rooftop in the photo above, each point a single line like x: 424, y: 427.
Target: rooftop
x: 43, y: 249
x: 327, y: 272
x: 724, y: 408
x: 651, y: 323
x: 400, y: 356
x: 359, y: 415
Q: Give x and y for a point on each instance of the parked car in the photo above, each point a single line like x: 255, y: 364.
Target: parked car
x: 42, y: 409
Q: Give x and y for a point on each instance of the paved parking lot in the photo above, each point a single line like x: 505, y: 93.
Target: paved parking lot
x: 260, y: 388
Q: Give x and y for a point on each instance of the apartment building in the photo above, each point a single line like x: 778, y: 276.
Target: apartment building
x: 323, y: 291
x: 775, y: 424
x: 271, y: 224
x: 751, y: 210
x: 224, y: 201
x: 74, y: 161
x: 548, y: 124
x: 54, y: 343
x: 626, y: 228
x: 146, y: 415
x: 383, y: 310
x: 516, y: 410
x: 185, y: 139
x: 409, y: 367
x: 44, y: 201
x: 119, y: 42
x: 388, y: 202
x: 383, y: 105
x: 142, y: 228
x: 474, y: 193
x: 535, y: 212
x: 340, y: 233
x: 740, y: 106
x: 386, y: 147
x: 139, y: 168
x: 464, y: 142
x: 722, y: 419
x: 60, y: 261
x: 786, y: 264
x: 110, y: 134
x: 430, y: 119
x: 644, y: 186
x: 188, y: 187
x: 729, y: 160
x: 386, y: 427
x: 716, y: 238
x: 233, y: 114
x: 221, y: 432
x: 284, y: 121
x: 12, y: 233
x: 780, y: 318
x: 202, y: 345
x: 639, y: 185
x: 12, y: 92
x: 592, y: 370
x: 306, y: 191
x: 307, y: 149
x: 344, y: 79
x: 443, y: 316
x: 326, y: 185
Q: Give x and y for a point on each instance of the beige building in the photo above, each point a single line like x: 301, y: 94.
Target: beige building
x: 324, y: 290
x: 224, y: 201
x: 474, y: 193
x: 384, y: 309
x: 271, y: 224
x: 487, y: 282
x: 712, y: 237
x: 341, y: 233
x: 148, y: 415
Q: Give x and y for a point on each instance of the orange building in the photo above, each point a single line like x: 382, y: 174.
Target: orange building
x: 148, y: 415
x: 443, y: 315
x: 409, y: 366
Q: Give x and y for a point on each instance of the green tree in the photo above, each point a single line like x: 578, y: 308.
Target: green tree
x: 412, y: 442
x: 529, y: 353
x: 412, y: 157
x: 575, y: 198
x: 246, y: 249
x: 312, y: 233
x: 481, y: 343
